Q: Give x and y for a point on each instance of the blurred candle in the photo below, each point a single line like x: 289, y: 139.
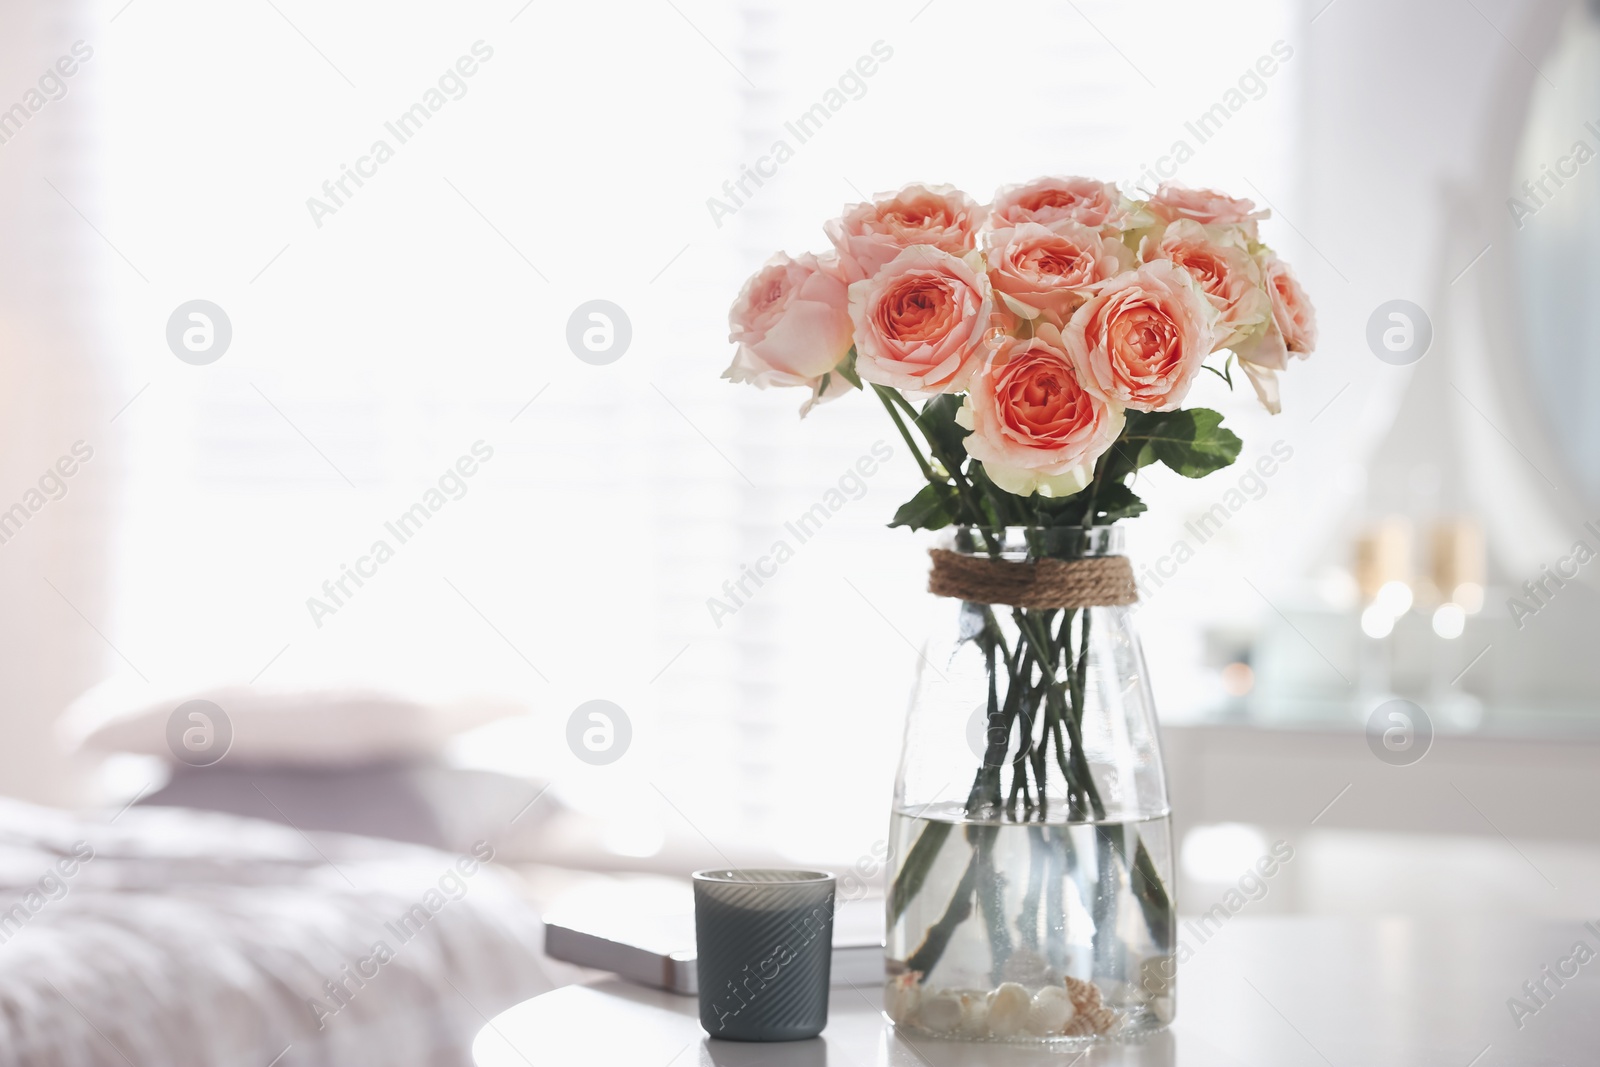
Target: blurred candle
x: 1383, y: 556
x: 1457, y: 562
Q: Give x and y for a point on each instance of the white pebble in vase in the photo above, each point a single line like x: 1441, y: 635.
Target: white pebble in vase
x: 974, y: 1014
x: 1050, y: 1011
x: 941, y: 1012
x: 1008, y: 1009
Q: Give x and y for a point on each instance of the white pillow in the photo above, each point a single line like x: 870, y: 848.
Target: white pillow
x: 315, y: 727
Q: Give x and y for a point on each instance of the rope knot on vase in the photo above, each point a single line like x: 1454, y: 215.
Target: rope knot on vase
x: 1098, y: 581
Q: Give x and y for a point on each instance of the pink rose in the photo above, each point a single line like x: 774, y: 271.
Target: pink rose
x: 1264, y: 380
x: 1051, y: 200
x: 1292, y: 312
x: 1042, y: 272
x: 1205, y: 206
x: 1142, y: 338
x: 870, y: 235
x: 792, y: 325
x: 921, y: 320
x: 1035, y: 428
x: 1223, y: 270
x: 1292, y: 328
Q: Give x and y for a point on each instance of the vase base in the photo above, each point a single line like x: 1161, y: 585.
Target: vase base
x: 1069, y: 1016
x: 1135, y: 1028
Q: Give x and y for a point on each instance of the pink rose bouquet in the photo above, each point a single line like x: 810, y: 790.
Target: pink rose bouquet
x: 1042, y: 347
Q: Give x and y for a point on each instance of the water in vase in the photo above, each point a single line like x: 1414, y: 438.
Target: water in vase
x: 1029, y: 930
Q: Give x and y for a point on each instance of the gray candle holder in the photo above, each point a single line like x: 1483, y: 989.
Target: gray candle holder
x: 764, y: 943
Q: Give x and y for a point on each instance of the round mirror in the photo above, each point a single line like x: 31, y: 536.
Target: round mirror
x: 1555, y: 210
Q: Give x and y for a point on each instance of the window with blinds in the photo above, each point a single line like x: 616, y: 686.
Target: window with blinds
x: 593, y: 154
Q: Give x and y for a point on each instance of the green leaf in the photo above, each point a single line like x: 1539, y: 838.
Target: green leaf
x: 1111, y: 502
x: 933, y: 508
x: 1124, y: 458
x: 1116, y: 501
x: 938, y: 424
x: 1192, y: 442
x: 1000, y: 508
x: 1132, y: 450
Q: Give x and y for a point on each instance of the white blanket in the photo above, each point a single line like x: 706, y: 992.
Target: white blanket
x: 170, y: 938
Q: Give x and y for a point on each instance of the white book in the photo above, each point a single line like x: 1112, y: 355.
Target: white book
x: 644, y: 931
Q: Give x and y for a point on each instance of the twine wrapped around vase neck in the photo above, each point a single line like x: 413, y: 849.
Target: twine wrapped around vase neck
x: 1097, y: 581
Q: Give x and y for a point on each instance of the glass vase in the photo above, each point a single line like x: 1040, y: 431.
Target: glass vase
x: 1030, y: 846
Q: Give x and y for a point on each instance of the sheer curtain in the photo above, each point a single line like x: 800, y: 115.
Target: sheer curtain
x: 55, y: 394
x: 380, y: 336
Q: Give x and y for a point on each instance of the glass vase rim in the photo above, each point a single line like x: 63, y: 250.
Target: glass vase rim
x: 774, y: 877
x: 1116, y: 524
x: 1033, y: 542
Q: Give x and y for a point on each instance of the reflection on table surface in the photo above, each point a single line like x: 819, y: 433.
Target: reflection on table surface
x: 613, y: 1022
x: 1258, y: 991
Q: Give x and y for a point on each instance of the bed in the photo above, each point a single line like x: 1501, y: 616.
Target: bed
x: 168, y: 937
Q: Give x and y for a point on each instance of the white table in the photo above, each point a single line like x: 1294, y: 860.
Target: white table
x: 1267, y: 992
